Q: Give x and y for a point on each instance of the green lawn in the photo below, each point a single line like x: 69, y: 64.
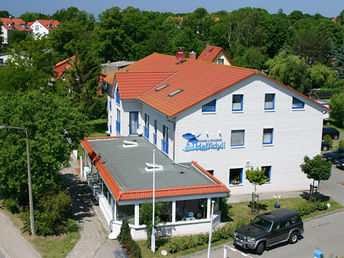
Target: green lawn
x: 98, y: 127
x: 238, y: 213
x: 55, y: 246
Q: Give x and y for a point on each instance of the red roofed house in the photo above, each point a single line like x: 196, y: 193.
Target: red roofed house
x: 207, y: 124
x: 12, y: 24
x: 215, y: 54
x: 41, y: 28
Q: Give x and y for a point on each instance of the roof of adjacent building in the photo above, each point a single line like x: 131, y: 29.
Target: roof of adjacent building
x: 194, y: 80
x: 49, y: 24
x: 14, y: 24
x: 210, y: 53
x: 123, y: 170
x: 61, y: 66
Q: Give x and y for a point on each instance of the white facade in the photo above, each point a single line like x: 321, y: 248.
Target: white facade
x: 295, y: 133
x: 38, y: 30
x: 4, y: 35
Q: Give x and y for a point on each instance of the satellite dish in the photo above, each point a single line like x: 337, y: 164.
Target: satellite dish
x: 139, y: 131
x: 180, y: 55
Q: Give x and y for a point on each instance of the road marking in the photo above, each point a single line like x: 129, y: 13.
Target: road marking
x: 237, y: 251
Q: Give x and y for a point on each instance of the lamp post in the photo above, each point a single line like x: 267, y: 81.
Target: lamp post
x: 153, y: 215
x: 32, y: 221
x: 211, y: 227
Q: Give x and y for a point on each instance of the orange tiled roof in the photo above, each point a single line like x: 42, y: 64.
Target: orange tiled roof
x: 210, y: 53
x: 198, y: 81
x: 49, y: 24
x: 110, y: 78
x: 61, y: 66
x: 144, y: 194
x: 14, y: 24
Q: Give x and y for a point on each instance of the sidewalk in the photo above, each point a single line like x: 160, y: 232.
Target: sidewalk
x: 12, y: 243
x: 92, y: 225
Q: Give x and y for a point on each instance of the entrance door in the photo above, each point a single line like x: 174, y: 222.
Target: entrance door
x: 133, y: 122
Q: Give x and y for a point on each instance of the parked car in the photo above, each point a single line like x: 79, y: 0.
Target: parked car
x: 332, y: 132
x: 336, y: 155
x: 340, y: 163
x: 325, y: 146
x: 269, y: 229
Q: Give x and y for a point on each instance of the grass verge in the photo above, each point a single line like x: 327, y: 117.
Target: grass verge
x: 238, y: 213
x: 50, y: 246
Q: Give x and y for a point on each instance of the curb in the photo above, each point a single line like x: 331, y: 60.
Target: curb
x: 324, y: 215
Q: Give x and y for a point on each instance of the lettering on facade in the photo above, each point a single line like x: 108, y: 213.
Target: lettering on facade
x: 195, y: 144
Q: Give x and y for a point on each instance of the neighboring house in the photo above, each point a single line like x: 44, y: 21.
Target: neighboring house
x: 111, y: 67
x: 225, y: 118
x: 4, y: 58
x: 119, y: 171
x: 215, y: 54
x: 41, y: 28
x: 11, y: 24
x: 61, y: 67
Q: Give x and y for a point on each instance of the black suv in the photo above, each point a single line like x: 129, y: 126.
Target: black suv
x: 269, y: 229
x: 332, y: 132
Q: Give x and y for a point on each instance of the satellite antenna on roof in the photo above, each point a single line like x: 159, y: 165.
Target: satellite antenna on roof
x: 180, y: 55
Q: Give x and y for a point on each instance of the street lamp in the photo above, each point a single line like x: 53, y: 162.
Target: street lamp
x: 32, y: 221
x: 153, y: 217
x: 211, y: 227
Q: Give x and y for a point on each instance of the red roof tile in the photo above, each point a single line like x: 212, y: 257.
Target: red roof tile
x: 49, y: 24
x: 198, y: 81
x: 210, y: 53
x: 14, y: 24
x: 144, y: 194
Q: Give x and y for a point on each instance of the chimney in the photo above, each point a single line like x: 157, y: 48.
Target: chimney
x: 108, y: 62
x: 192, y: 55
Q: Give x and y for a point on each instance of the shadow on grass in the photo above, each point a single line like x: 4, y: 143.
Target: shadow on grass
x: 161, y: 242
x: 261, y: 206
x: 316, y: 197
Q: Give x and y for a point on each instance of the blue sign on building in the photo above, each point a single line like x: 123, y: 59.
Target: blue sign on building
x: 195, y: 144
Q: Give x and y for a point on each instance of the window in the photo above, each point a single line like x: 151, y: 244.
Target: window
x: 110, y: 105
x: 191, y: 209
x: 298, y: 104
x: 235, y: 176
x: 155, y: 134
x: 125, y: 212
x: 133, y: 122
x: 211, y: 171
x: 164, y: 140
x: 118, y: 122
x: 146, y: 127
x: 269, y: 101
x: 268, y: 136
x: 267, y: 172
x: 238, y: 101
x: 209, y: 107
x: 220, y: 61
x: 237, y: 137
x: 110, y: 125
x: 118, y: 100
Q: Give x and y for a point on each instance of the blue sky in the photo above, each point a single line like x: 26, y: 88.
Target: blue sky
x: 329, y: 8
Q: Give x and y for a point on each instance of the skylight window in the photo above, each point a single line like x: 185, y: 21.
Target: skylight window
x: 150, y: 167
x: 175, y: 92
x: 162, y: 87
x: 129, y: 144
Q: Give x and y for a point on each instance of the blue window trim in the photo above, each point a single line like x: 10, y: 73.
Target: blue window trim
x: 137, y: 122
x: 241, y: 102
x: 241, y: 176
x: 273, y: 101
x: 272, y: 136
x: 164, y: 142
x: 211, y: 105
x: 296, y: 99
x: 243, y: 138
x: 110, y: 105
x: 269, y: 176
x: 146, y: 127
x: 118, y: 122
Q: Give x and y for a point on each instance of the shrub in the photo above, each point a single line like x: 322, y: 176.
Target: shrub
x: 11, y: 205
x: 328, y: 140
x: 321, y: 206
x: 172, y: 247
x: 341, y: 144
x: 134, y: 249
x: 124, y: 236
x: 71, y: 226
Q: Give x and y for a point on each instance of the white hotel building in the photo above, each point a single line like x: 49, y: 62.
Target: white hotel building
x: 225, y: 118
